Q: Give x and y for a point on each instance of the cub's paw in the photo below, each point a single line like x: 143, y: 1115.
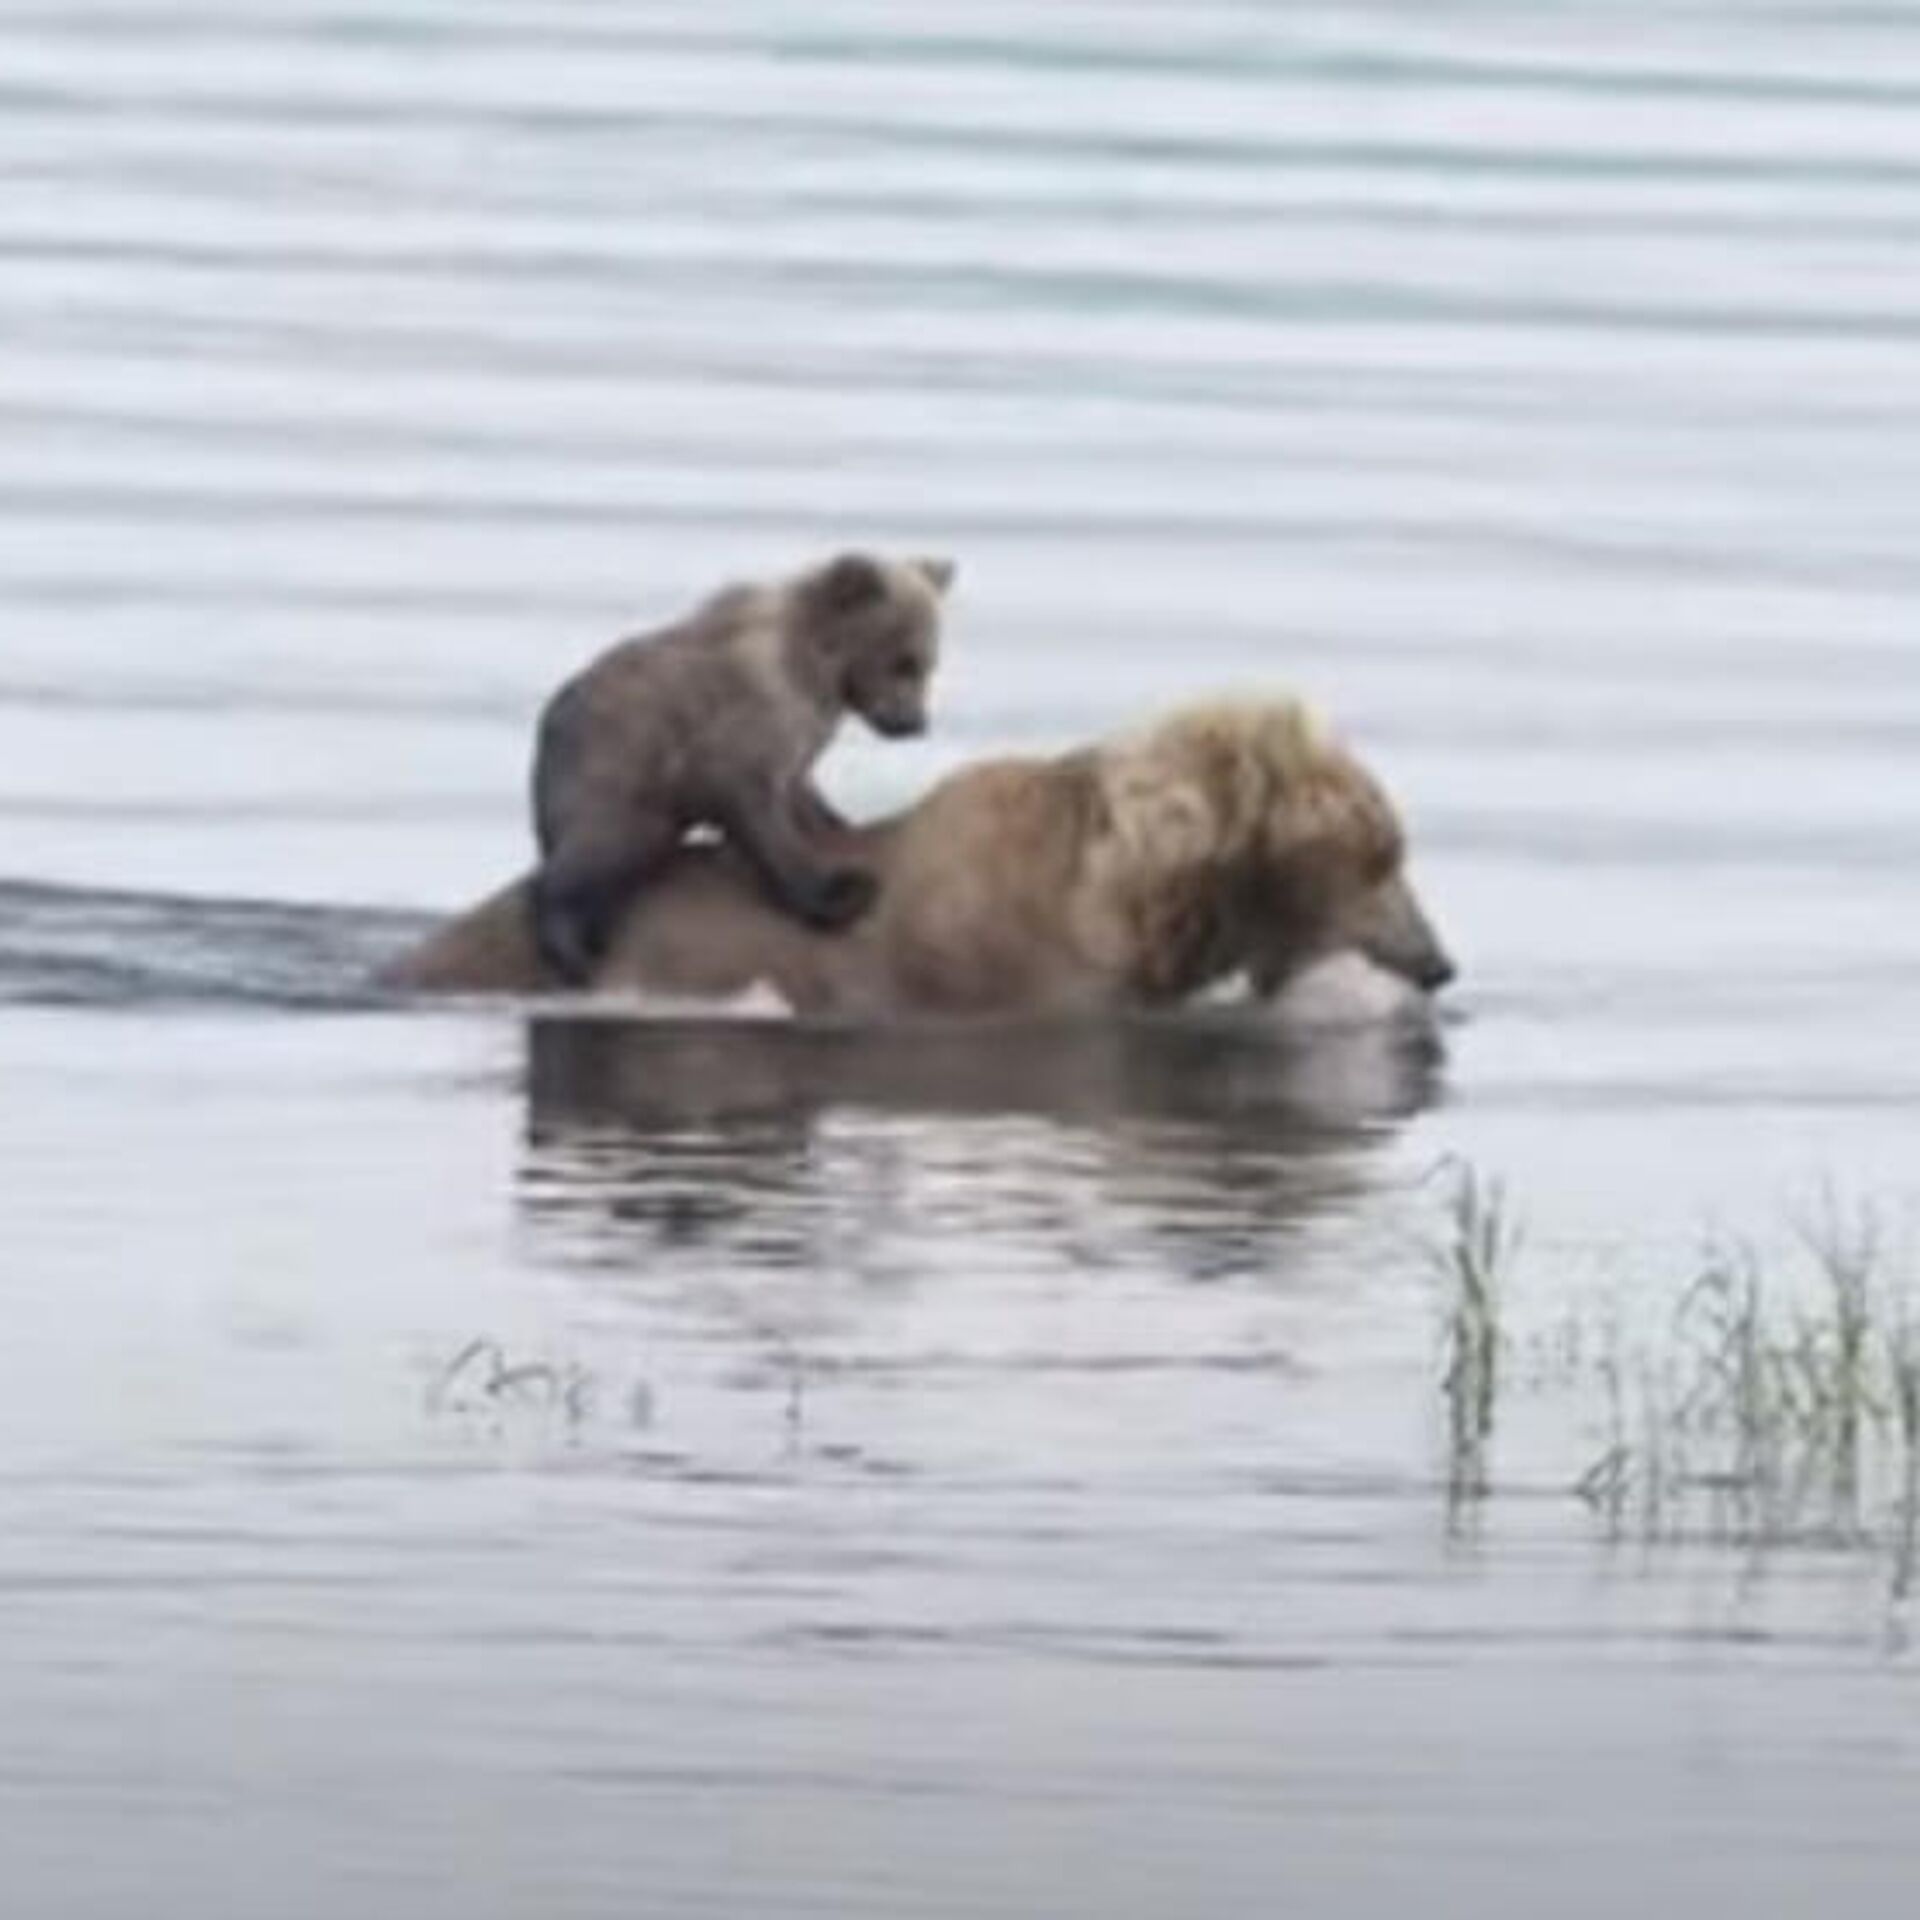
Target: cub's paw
x: 842, y: 898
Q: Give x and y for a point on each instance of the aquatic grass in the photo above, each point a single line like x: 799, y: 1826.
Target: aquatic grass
x: 1843, y: 1377
x: 1904, y: 1364
x: 1472, y: 1255
x: 1788, y: 1400
x: 1772, y: 1401
x: 1734, y: 1405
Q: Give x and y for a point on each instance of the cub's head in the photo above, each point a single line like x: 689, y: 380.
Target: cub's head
x: 876, y: 625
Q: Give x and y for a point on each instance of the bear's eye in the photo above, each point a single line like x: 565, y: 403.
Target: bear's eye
x: 1384, y: 858
x: 905, y: 667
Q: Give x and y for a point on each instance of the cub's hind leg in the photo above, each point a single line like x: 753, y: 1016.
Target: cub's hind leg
x: 582, y: 885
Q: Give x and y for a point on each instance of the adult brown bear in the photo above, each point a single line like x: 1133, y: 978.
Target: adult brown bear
x: 1240, y: 837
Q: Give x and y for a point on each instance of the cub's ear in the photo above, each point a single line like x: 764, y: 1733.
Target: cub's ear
x: 847, y: 581
x: 935, y: 569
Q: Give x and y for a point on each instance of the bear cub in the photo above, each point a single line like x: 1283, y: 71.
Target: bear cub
x: 717, y: 721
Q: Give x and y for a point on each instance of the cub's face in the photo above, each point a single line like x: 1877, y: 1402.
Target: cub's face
x: 882, y: 619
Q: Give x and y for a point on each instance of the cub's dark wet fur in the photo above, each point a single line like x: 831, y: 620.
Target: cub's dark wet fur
x: 717, y: 721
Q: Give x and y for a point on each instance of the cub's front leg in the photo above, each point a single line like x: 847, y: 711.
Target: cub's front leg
x: 814, y: 813
x: 764, y: 820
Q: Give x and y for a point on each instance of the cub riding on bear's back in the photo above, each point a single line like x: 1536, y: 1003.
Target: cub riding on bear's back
x: 717, y: 720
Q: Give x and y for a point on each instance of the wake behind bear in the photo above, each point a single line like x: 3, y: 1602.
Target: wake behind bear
x: 717, y: 720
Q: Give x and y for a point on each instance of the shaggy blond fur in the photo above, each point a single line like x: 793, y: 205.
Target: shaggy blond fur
x: 1222, y: 823
x: 1239, y: 836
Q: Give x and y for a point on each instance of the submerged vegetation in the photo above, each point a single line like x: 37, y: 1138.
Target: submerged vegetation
x: 1753, y: 1401
x: 482, y: 1379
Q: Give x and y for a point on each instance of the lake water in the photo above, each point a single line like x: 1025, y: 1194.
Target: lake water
x: 453, y: 1463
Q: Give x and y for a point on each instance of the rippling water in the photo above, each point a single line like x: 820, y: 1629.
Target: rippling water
x: 467, y: 1464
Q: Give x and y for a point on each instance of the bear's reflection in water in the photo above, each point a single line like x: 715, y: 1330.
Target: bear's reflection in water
x: 1194, y: 1147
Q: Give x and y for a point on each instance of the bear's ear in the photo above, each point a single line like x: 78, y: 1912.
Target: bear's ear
x: 849, y: 580
x: 935, y: 569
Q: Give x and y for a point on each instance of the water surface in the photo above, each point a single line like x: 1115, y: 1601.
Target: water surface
x: 475, y: 1463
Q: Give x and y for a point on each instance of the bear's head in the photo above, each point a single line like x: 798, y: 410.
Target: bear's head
x: 1255, y: 840
x: 875, y: 623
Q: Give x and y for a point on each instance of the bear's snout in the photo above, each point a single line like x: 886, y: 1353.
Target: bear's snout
x: 1389, y: 925
x: 1433, y: 970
